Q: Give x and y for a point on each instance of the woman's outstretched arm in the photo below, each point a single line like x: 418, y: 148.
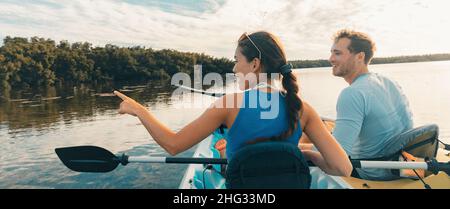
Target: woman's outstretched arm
x: 175, y: 142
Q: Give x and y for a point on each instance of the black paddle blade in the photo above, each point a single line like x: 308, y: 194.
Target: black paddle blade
x: 87, y: 159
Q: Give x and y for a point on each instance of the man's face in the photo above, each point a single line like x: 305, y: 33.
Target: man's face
x: 343, y: 62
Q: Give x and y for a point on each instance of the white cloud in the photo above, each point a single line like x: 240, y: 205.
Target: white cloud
x: 305, y: 26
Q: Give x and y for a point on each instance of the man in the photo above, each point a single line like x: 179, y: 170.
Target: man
x: 372, y: 110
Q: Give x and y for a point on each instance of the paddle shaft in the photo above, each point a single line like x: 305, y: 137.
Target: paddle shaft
x: 355, y: 163
x: 213, y: 94
x: 390, y: 165
x: 97, y: 159
x: 179, y: 160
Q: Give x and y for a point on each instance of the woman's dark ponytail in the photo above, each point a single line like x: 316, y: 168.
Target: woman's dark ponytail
x: 293, y: 102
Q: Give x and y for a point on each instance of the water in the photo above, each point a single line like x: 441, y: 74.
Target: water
x: 35, y: 122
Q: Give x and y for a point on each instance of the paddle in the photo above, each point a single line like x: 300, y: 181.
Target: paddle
x: 97, y: 159
x: 213, y: 94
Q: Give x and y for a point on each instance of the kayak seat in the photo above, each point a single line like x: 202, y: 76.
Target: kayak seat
x: 268, y: 165
x: 421, y: 142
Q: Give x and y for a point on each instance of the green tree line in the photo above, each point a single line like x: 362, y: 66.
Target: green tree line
x: 41, y: 62
x: 376, y: 60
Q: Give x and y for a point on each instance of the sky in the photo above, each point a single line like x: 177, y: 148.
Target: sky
x: 305, y: 27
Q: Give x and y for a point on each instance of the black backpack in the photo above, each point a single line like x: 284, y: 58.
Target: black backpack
x: 274, y: 165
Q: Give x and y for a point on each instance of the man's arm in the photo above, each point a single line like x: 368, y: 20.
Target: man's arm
x: 350, y: 110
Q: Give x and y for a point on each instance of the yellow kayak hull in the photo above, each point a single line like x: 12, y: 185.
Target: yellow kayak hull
x: 439, y: 181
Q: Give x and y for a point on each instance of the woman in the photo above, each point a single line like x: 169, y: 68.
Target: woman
x: 257, y: 53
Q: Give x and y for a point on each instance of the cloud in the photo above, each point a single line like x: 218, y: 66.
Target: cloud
x: 213, y: 26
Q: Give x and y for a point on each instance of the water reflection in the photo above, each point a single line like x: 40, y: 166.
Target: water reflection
x: 42, y: 108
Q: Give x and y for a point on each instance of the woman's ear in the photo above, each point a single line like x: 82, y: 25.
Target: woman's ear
x: 256, y: 65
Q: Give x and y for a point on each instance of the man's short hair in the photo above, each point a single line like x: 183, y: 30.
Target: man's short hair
x: 359, y: 42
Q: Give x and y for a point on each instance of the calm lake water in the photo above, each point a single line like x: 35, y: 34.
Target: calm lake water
x: 35, y: 122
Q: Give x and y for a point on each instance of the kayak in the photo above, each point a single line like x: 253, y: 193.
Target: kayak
x: 439, y: 181
x: 200, y: 176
